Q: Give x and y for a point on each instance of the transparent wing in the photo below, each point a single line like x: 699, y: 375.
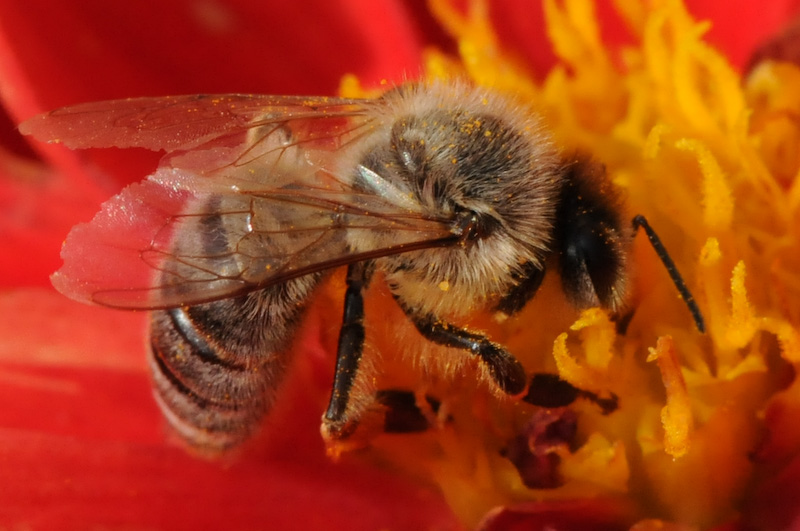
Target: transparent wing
x: 248, y: 196
x: 176, y: 122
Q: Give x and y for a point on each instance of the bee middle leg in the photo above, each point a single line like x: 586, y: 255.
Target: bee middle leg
x: 506, y: 371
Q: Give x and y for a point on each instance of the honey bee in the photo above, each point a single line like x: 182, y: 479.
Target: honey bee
x: 258, y: 197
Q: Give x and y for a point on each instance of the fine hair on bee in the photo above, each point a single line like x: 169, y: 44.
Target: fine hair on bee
x: 434, y: 184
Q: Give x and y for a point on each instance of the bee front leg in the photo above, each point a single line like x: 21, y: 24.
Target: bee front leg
x: 528, y: 282
x: 348, y: 355
x: 506, y: 371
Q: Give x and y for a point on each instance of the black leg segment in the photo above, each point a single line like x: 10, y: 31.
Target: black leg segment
x: 507, y: 372
x: 527, y: 285
x: 661, y: 251
x: 351, y: 343
x: 549, y: 391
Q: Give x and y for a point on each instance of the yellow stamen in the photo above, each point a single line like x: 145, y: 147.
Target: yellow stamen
x: 676, y: 416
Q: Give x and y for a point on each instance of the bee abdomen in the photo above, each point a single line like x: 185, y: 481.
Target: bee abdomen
x: 216, y: 366
x: 210, y: 401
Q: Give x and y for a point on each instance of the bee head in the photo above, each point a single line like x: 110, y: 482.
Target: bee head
x: 489, y: 167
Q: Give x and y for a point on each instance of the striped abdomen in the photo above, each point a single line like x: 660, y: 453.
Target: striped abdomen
x: 217, y: 366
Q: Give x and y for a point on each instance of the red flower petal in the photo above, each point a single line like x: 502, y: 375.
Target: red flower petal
x: 81, y: 441
x: 37, y: 209
x: 566, y: 515
x: 68, y: 53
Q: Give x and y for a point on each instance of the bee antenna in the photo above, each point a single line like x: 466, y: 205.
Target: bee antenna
x: 677, y: 279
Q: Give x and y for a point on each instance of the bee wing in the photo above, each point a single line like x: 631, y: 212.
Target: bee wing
x: 176, y: 122
x: 252, y: 204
